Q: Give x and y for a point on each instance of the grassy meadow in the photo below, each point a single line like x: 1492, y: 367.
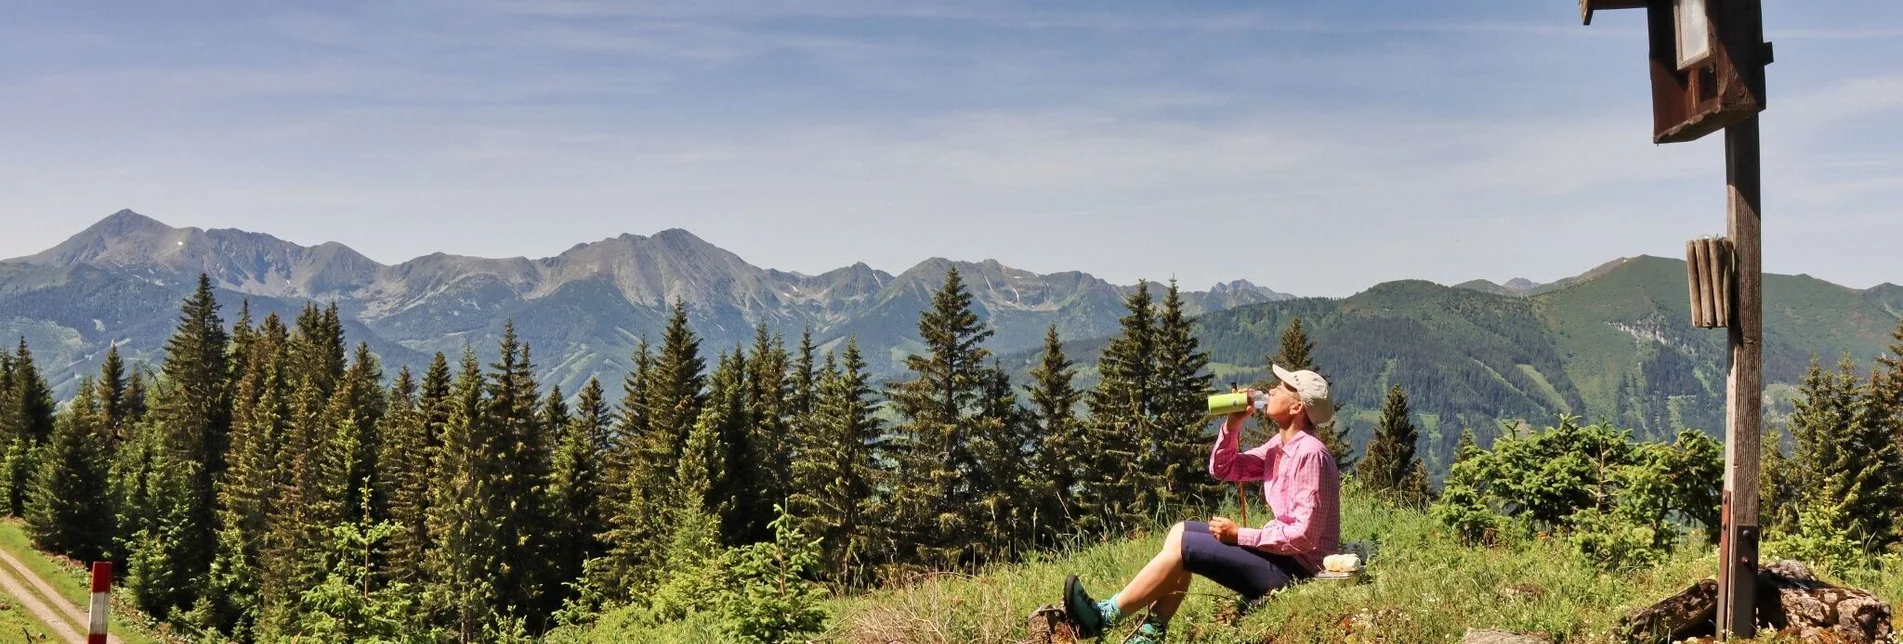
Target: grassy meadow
x: 1422, y: 586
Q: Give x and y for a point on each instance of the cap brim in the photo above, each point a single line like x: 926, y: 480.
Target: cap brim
x: 1281, y: 375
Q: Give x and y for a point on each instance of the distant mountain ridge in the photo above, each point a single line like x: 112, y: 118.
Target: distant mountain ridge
x: 1611, y: 343
x: 585, y: 309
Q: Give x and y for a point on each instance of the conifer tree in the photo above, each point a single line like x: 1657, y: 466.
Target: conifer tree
x: 242, y: 336
x: 695, y: 567
x: 250, y: 484
x: 523, y: 478
x: 462, y: 514
x: 68, y: 510
x: 834, y: 480
x: 768, y: 457
x: 575, y: 482
x: 1391, y: 462
x: 297, y: 517
x: 737, y: 484
x: 674, y: 391
x: 28, y: 410
x: 136, y: 404
x: 1841, y: 453
x: 1297, y: 350
x: 1000, y: 447
x: 318, y: 352
x: 194, y: 413
x: 1061, y: 458
x: 34, y: 399
x: 112, y: 399
x: 931, y: 444
x: 805, y: 385
x: 409, y: 462
x: 642, y: 465
x: 356, y: 407
x: 1181, y: 451
x: 155, y: 517
x: 1120, y: 422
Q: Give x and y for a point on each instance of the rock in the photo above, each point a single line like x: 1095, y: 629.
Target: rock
x: 1497, y: 636
x: 1790, y: 599
x: 1047, y: 625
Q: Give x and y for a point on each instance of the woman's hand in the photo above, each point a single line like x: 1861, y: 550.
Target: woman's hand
x: 1236, y: 418
x: 1223, y: 529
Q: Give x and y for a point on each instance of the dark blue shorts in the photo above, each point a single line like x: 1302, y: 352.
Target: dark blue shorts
x: 1250, y: 572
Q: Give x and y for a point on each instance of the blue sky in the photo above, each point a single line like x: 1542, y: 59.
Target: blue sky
x: 1316, y: 147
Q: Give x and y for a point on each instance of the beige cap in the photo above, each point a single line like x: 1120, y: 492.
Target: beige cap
x: 1314, y: 392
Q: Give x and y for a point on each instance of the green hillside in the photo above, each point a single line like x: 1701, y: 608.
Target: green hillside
x: 1613, y: 343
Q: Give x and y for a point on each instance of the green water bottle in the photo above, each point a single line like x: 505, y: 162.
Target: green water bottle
x: 1229, y: 403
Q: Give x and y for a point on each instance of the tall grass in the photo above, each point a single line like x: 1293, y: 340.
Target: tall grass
x: 1421, y: 586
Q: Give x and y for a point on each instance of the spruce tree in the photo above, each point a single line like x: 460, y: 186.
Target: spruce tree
x: 297, y: 516
x: 356, y: 408
x: 154, y: 490
x: 1389, y: 467
x: 1113, y: 499
x: 462, y: 515
x: 242, y: 337
x: 999, y: 445
x: 409, y: 462
x: 28, y: 407
x: 738, y: 485
x: 112, y: 399
x: 250, y: 484
x: 34, y: 399
x: 710, y: 459
x: 577, y: 517
x: 769, y: 454
x: 931, y: 444
x: 1061, y: 458
x: 523, y: 449
x: 1181, y: 451
x: 68, y: 510
x: 194, y: 413
x: 1296, y: 349
x: 674, y: 391
x: 640, y: 478
x: 804, y: 385
x: 1842, y: 453
x: 835, y: 480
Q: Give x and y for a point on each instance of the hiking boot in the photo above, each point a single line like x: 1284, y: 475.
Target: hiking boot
x: 1151, y: 631
x: 1081, y: 610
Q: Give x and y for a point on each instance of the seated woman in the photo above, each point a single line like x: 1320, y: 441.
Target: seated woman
x: 1303, y: 489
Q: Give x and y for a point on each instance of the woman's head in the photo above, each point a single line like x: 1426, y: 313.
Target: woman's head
x: 1301, y: 396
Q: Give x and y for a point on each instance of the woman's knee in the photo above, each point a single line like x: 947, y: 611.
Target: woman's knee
x: 1173, y: 544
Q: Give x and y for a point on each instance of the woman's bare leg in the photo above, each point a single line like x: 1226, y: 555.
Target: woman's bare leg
x: 1162, y: 581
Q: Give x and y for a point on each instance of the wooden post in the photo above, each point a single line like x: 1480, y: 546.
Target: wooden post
x: 96, y: 617
x: 1742, y: 33
x: 1738, y: 545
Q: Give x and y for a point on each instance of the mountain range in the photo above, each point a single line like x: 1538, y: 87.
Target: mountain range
x: 583, y: 311
x: 1612, y: 343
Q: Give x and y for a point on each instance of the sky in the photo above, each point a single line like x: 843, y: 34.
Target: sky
x: 1316, y: 148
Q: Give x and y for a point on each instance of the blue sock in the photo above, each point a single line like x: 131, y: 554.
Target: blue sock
x: 1108, y: 608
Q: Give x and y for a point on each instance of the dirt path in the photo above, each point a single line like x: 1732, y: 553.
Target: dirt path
x: 67, y: 617
x: 54, y: 621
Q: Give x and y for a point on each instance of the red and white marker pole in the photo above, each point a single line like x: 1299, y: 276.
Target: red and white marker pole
x: 102, y: 585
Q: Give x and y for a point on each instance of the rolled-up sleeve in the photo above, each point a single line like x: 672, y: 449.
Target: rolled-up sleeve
x: 1227, y: 464
x: 1295, y: 530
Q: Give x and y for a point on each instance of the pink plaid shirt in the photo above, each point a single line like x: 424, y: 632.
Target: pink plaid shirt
x: 1300, y: 483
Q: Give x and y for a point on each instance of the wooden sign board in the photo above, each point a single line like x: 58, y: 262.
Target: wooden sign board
x: 1707, y: 63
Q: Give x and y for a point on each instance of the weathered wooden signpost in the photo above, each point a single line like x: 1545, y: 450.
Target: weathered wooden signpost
x: 1707, y: 71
